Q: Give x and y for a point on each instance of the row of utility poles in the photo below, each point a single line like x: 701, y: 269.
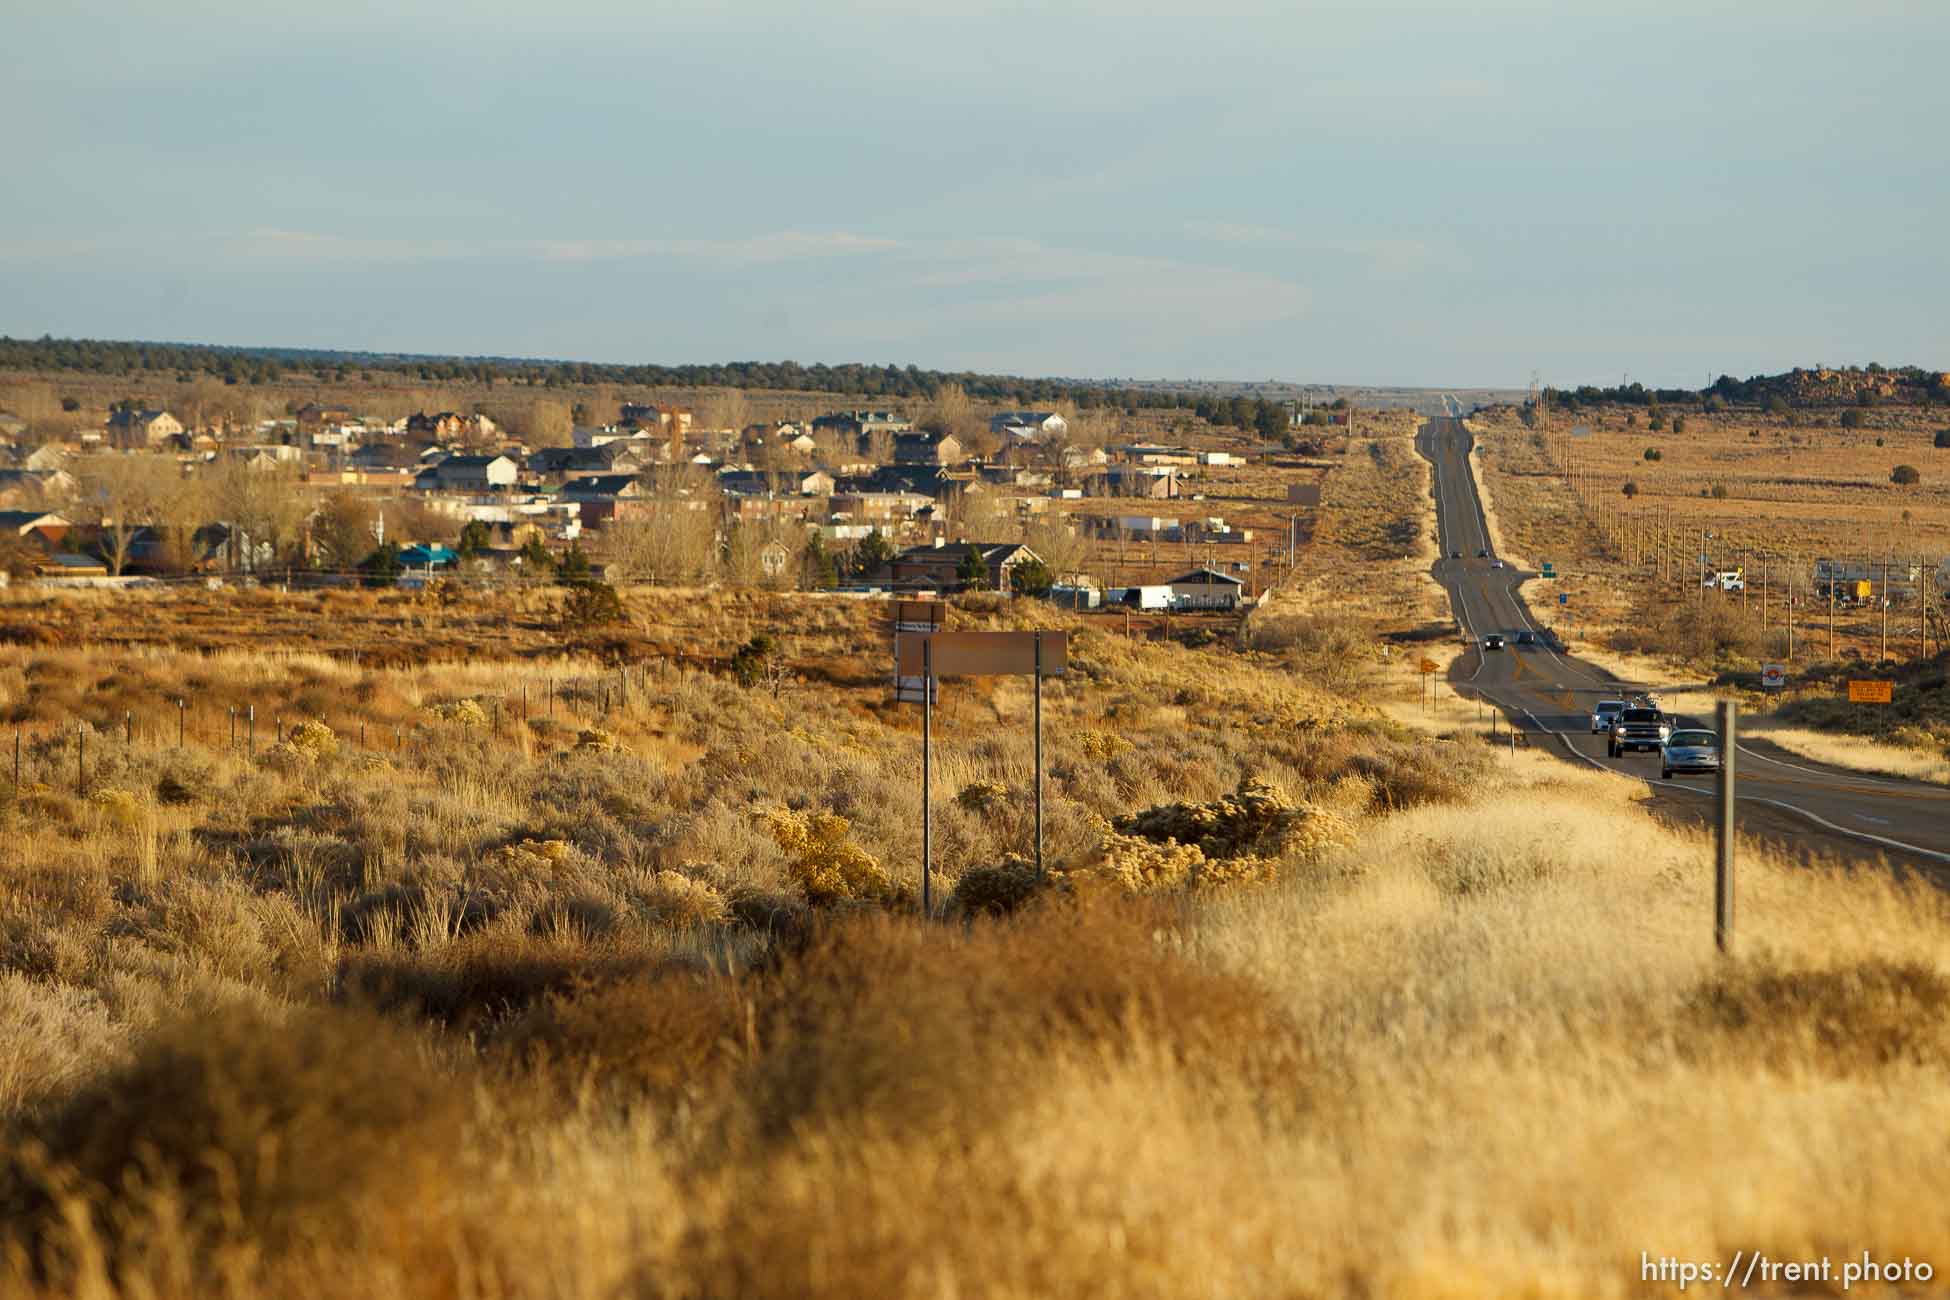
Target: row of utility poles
x: 1653, y: 539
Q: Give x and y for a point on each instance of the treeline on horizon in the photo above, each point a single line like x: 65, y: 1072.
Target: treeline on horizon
x: 239, y: 365
x: 259, y: 365
x: 1757, y: 390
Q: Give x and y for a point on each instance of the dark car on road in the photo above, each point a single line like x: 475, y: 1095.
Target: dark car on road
x: 1636, y: 730
x: 1494, y: 641
x: 1526, y: 637
x: 1482, y: 555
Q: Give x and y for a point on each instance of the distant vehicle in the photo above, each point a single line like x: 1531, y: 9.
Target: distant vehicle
x: 1725, y: 580
x: 1139, y: 597
x: 1455, y: 555
x: 1496, y: 564
x: 1526, y: 637
x: 1604, y: 714
x: 1483, y: 554
x: 1689, y: 751
x: 1494, y: 641
x: 1636, y: 729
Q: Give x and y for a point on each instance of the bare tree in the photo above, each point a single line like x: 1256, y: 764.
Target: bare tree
x: 672, y: 537
x: 343, y: 531
x: 950, y: 413
x: 183, y: 505
x: 1058, y: 544
x: 118, y: 494
x: 262, y: 506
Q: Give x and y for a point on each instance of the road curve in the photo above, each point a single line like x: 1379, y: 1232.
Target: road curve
x: 1548, y: 694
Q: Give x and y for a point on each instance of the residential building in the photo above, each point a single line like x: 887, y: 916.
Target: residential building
x: 1028, y: 426
x: 384, y: 456
x: 469, y: 474
x: 928, y: 449
x: 859, y: 424
x: 939, y: 566
x: 647, y: 415
x: 38, y: 526
x: 1206, y: 589
x: 22, y: 488
x: 141, y: 430
x: 445, y: 426
x: 1157, y: 482
x: 620, y: 456
x: 878, y: 507
x: 47, y: 456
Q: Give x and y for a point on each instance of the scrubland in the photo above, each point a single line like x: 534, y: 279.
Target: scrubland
x: 589, y: 972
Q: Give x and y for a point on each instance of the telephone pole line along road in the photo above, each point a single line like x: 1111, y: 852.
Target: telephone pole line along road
x: 1549, y: 694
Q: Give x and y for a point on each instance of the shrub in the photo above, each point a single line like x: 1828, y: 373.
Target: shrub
x: 466, y: 713
x: 996, y: 890
x: 1852, y: 418
x: 1653, y: 453
x: 757, y: 662
x: 1679, y: 424
x: 676, y: 899
x: 1905, y: 474
x: 313, y: 739
x: 589, y: 605
x: 980, y: 796
x: 1031, y: 578
x: 1719, y: 492
x: 1942, y: 438
x: 1630, y: 489
x: 265, y: 1127
x: 826, y: 865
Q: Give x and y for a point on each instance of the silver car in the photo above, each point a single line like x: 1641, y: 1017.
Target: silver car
x: 1689, y: 750
x: 1604, y: 714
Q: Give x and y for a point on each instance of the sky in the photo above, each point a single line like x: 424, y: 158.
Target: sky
x: 1449, y: 195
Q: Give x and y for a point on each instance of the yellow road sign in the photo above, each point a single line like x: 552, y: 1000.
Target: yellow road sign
x: 1869, y: 692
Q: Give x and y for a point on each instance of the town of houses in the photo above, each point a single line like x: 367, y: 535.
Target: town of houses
x: 946, y: 516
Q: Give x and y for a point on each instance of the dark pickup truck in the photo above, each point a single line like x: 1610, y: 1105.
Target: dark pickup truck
x: 1638, y: 729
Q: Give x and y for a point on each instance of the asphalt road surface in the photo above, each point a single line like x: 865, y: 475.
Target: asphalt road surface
x: 1548, y: 695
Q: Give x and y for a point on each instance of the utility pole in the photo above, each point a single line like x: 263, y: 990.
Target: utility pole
x: 1831, y: 616
x: 1885, y: 613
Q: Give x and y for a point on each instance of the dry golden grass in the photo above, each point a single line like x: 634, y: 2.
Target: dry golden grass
x: 530, y: 1016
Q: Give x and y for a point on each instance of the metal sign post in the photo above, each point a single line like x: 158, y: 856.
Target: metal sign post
x: 925, y: 657
x: 1039, y: 755
x: 1723, y: 871
x: 927, y: 774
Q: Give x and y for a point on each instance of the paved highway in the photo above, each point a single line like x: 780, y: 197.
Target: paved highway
x: 1549, y: 694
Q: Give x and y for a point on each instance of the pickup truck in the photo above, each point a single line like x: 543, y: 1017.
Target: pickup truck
x: 1638, y: 729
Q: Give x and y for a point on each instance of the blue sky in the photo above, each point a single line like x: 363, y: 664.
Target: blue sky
x: 1361, y: 193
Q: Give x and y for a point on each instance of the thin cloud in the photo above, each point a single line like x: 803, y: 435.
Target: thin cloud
x: 757, y: 250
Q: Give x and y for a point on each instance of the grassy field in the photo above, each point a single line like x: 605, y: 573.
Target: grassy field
x: 575, y: 969
x: 573, y: 1015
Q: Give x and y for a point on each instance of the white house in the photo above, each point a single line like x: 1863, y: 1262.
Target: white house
x: 1029, y: 426
x: 1206, y: 589
x: 470, y: 474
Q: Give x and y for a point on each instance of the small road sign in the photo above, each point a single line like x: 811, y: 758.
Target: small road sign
x: 1773, y: 677
x: 1428, y: 666
x: 1563, y: 597
x: 1869, y: 692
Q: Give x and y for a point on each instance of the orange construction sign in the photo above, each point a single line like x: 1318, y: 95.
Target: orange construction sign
x: 1870, y: 692
x: 1429, y: 666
